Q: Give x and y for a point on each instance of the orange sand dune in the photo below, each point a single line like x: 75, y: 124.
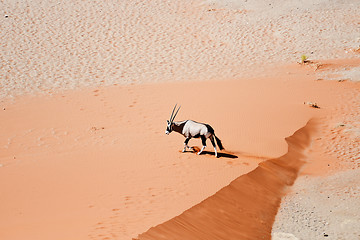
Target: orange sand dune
x: 96, y: 163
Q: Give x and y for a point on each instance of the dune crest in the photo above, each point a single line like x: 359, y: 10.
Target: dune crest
x: 246, y: 208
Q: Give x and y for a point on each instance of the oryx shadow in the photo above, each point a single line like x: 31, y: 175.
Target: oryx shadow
x: 196, y: 149
x: 240, y: 154
x: 220, y: 154
x: 229, y: 154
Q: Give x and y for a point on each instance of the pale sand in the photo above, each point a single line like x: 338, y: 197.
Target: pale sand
x: 321, y: 208
x: 52, y: 45
x: 96, y: 164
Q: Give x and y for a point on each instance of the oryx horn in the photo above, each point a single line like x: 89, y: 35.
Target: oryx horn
x: 175, y: 114
x: 172, y: 117
x: 172, y: 113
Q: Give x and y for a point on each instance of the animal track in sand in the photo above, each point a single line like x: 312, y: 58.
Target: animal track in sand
x: 110, y: 227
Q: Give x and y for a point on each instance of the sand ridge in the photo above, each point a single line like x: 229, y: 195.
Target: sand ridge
x: 246, y: 208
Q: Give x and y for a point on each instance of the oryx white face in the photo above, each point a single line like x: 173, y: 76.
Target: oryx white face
x: 168, y: 127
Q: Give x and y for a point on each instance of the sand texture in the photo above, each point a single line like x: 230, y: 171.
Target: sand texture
x: 327, y: 206
x: 321, y: 208
x: 52, y: 45
x: 86, y: 88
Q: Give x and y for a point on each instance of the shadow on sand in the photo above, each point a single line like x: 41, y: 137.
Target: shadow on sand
x: 220, y: 154
x: 229, y: 154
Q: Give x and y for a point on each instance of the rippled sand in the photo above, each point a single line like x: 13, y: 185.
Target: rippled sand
x: 51, y: 45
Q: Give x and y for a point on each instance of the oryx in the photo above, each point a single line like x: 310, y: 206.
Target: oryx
x: 191, y: 129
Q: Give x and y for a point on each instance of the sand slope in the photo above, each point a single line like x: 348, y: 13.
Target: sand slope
x: 246, y: 208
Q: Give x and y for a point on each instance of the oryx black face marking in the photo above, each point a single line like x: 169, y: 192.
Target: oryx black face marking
x: 191, y: 129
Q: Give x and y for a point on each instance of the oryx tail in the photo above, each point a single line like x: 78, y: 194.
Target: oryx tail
x: 218, y: 142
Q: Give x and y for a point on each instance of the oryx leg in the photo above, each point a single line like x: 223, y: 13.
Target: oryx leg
x: 186, y: 144
x: 214, y: 145
x: 203, y: 140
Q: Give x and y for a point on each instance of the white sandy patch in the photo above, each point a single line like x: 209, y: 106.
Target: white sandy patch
x: 283, y: 236
x: 351, y: 74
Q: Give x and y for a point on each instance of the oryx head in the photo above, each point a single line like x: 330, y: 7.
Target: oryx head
x: 169, y: 127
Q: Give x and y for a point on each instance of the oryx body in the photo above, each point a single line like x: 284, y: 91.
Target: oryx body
x: 191, y: 129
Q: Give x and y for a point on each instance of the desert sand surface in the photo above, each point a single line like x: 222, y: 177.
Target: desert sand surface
x: 97, y: 162
x: 87, y: 87
x: 49, y: 45
x: 323, y: 203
